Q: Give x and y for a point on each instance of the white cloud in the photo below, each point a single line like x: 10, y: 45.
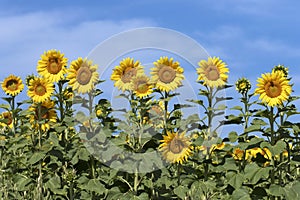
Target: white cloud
x: 25, y: 37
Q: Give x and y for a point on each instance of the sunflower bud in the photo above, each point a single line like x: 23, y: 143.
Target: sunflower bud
x: 243, y: 85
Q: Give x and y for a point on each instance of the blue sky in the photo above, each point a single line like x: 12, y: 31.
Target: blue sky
x: 250, y: 36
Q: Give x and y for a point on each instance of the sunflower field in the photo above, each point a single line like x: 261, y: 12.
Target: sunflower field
x: 65, y: 140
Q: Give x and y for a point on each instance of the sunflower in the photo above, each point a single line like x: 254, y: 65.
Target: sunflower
x: 40, y: 89
x: 281, y: 68
x: 6, y: 119
x: 125, y: 72
x: 141, y: 85
x: 52, y: 65
x: 47, y: 112
x: 273, y: 88
x: 83, y: 75
x: 213, y: 72
x: 239, y: 154
x: 243, y: 85
x: 175, y: 148
x: 167, y: 75
x: 12, y: 85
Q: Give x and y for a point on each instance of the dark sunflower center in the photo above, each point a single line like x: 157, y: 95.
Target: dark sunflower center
x: 40, y: 90
x: 12, y: 85
x: 84, y: 75
x: 273, y: 89
x: 54, y: 66
x: 128, y: 74
x: 166, y: 74
x: 8, y: 118
x: 212, y: 73
x: 44, y: 112
x: 176, y: 146
x: 142, y: 87
x: 157, y: 109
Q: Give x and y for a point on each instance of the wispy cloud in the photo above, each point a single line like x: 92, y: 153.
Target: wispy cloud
x: 26, y: 36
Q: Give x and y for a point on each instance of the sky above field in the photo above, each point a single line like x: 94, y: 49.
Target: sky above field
x: 250, y: 36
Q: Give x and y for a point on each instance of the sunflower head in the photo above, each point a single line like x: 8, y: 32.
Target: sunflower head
x: 167, y: 75
x: 273, y: 88
x: 175, y: 147
x: 238, y: 154
x: 12, y: 85
x: 40, y: 89
x: 52, y: 65
x: 243, y: 85
x: 6, y: 119
x: 82, y: 75
x: 124, y: 73
x: 46, y: 113
x: 141, y: 86
x: 213, y: 72
x: 281, y: 68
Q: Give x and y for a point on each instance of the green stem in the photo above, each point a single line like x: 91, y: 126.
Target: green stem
x: 13, y: 115
x: 40, y: 177
x: 60, y: 100
x: 246, y: 116
x: 166, y: 111
x: 136, y: 181
x: 178, y: 173
x: 271, y: 119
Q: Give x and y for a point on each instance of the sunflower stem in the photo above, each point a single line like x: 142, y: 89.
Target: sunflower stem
x: 178, y: 173
x: 60, y: 100
x: 40, y: 177
x: 14, y: 121
x: 166, y: 111
x: 136, y: 181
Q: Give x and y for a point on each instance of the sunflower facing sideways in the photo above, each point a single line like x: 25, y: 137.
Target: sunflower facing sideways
x: 124, y: 73
x: 82, y: 75
x: 52, y: 65
x: 40, y: 89
x: 167, y: 75
x: 213, y: 72
x: 6, y: 119
x: 273, y: 88
x: 12, y: 85
x: 141, y: 85
x: 47, y: 113
x: 175, y: 147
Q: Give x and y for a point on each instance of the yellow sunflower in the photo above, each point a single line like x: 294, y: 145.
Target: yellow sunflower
x: 273, y: 88
x: 83, y: 75
x: 243, y: 85
x: 48, y: 114
x: 39, y: 89
x: 52, y: 65
x: 213, y: 72
x: 175, y: 147
x: 167, y: 75
x: 281, y: 68
x: 12, y: 85
x: 238, y: 154
x: 125, y: 72
x: 141, y: 85
x: 7, y: 119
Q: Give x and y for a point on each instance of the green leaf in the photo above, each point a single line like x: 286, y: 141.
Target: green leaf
x: 236, y: 108
x: 252, y: 128
x: 241, y: 194
x: 181, y: 191
x: 233, y: 136
x: 236, y: 180
x: 94, y: 185
x: 254, y: 173
x: 276, y: 190
x: 37, y: 156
